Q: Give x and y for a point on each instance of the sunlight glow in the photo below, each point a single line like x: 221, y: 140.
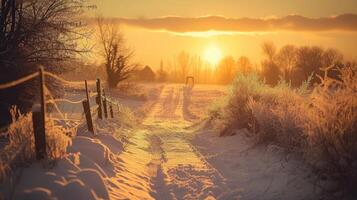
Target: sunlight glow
x: 213, y: 33
x: 212, y: 55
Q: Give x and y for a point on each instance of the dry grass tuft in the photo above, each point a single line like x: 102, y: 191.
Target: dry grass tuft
x: 57, y: 139
x: 20, y: 149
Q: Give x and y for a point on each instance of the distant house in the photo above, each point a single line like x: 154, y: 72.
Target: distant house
x: 145, y: 74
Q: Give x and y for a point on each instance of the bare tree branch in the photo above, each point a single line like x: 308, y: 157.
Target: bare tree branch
x: 35, y: 29
x: 118, y: 64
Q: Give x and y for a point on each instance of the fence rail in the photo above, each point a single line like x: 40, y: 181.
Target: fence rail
x: 103, y: 108
x: 19, y: 81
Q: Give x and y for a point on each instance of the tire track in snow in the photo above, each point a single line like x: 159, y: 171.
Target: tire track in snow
x: 132, y: 169
x: 159, y: 161
x: 187, y: 173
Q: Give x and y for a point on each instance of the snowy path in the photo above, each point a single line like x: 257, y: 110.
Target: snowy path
x: 159, y: 161
x: 168, y: 157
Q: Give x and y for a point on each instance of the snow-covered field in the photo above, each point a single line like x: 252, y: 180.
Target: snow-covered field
x: 169, y: 154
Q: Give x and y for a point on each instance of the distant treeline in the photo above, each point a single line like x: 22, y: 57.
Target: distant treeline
x: 293, y: 64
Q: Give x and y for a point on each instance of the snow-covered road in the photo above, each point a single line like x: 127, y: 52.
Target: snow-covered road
x: 160, y: 162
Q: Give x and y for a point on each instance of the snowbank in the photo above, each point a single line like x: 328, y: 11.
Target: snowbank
x: 82, y: 174
x: 253, y: 172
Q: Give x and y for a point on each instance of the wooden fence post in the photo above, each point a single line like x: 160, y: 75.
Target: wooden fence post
x: 105, y: 105
x: 190, y: 78
x: 42, y: 90
x: 87, y: 93
x: 99, y: 99
x: 39, y: 132
x: 111, y: 110
x: 87, y: 112
x: 39, y: 120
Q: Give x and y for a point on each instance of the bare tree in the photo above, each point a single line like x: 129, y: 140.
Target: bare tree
x: 286, y: 59
x: 34, y: 32
x: 270, y: 69
x: 226, y: 70
x: 41, y: 32
x: 183, y: 60
x: 309, y: 61
x: 118, y: 63
x: 269, y: 49
x: 331, y: 57
x: 244, y: 65
x: 161, y: 73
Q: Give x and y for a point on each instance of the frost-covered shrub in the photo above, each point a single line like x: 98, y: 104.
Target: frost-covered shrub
x: 20, y: 148
x: 320, y: 124
x: 238, y: 115
x: 277, y: 116
x: 57, y: 140
x: 330, y: 122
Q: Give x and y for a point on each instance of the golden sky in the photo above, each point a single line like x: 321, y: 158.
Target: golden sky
x: 228, y: 8
x: 160, y: 29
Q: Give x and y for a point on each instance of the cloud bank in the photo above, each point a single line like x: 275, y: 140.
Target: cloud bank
x: 345, y: 22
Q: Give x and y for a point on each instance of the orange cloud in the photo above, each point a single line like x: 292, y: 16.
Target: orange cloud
x: 345, y: 22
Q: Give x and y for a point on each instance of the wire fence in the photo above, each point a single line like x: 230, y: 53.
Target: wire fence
x: 102, y: 108
x: 19, y: 81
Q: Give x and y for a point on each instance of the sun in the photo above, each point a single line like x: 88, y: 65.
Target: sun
x: 212, y: 55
